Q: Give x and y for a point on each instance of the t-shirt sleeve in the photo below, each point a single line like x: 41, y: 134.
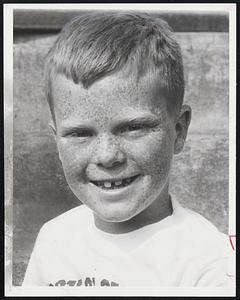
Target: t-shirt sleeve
x: 33, y: 275
x: 221, y: 271
x: 216, y: 274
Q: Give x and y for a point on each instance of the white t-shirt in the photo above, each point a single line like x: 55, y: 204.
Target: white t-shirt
x: 183, y: 249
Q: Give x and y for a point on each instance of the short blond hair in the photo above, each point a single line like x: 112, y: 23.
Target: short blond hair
x: 94, y: 45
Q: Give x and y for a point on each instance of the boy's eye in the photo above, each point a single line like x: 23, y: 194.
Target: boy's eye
x: 79, y: 133
x: 133, y: 127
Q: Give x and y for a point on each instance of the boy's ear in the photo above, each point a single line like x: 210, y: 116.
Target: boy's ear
x: 181, y: 128
x: 53, y: 128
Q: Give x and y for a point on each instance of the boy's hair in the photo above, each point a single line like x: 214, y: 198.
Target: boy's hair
x: 97, y: 44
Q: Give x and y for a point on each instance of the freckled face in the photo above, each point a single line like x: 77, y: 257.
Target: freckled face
x: 115, y: 141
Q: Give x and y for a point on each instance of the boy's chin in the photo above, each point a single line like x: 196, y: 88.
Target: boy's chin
x: 113, y: 217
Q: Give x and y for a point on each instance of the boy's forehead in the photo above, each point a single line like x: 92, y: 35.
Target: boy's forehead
x: 114, y: 91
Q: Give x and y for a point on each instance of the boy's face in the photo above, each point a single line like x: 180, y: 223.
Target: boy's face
x: 116, y: 141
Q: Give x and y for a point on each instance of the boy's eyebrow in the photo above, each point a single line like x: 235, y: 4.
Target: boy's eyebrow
x: 145, y: 120
x: 149, y: 120
x: 70, y: 127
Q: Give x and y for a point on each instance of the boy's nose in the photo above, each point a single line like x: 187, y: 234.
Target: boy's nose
x: 108, y: 153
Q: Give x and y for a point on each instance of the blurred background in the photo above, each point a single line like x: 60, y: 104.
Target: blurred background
x: 200, y: 172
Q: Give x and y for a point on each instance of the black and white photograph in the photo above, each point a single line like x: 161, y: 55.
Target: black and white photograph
x: 120, y: 149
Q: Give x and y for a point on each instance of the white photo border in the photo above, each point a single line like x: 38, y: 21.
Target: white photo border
x: 11, y: 290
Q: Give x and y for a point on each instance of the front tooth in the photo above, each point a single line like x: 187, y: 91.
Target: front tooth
x: 107, y: 184
x: 118, y: 182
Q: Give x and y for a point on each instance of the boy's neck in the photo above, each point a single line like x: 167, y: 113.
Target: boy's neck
x: 157, y: 211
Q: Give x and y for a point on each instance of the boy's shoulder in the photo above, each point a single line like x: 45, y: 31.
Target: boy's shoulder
x: 198, y: 232
x: 198, y: 222
x: 201, y: 224
x: 205, y: 235
x: 67, y: 222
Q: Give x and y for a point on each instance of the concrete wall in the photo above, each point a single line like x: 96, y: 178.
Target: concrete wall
x: 200, y: 173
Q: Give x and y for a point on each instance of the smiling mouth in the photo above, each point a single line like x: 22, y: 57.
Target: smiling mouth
x: 114, y: 184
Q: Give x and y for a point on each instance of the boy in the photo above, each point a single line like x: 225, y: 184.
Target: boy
x: 115, y: 88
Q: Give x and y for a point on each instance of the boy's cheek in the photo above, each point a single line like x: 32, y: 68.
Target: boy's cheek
x: 70, y: 149
x: 152, y: 152
x: 74, y: 160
